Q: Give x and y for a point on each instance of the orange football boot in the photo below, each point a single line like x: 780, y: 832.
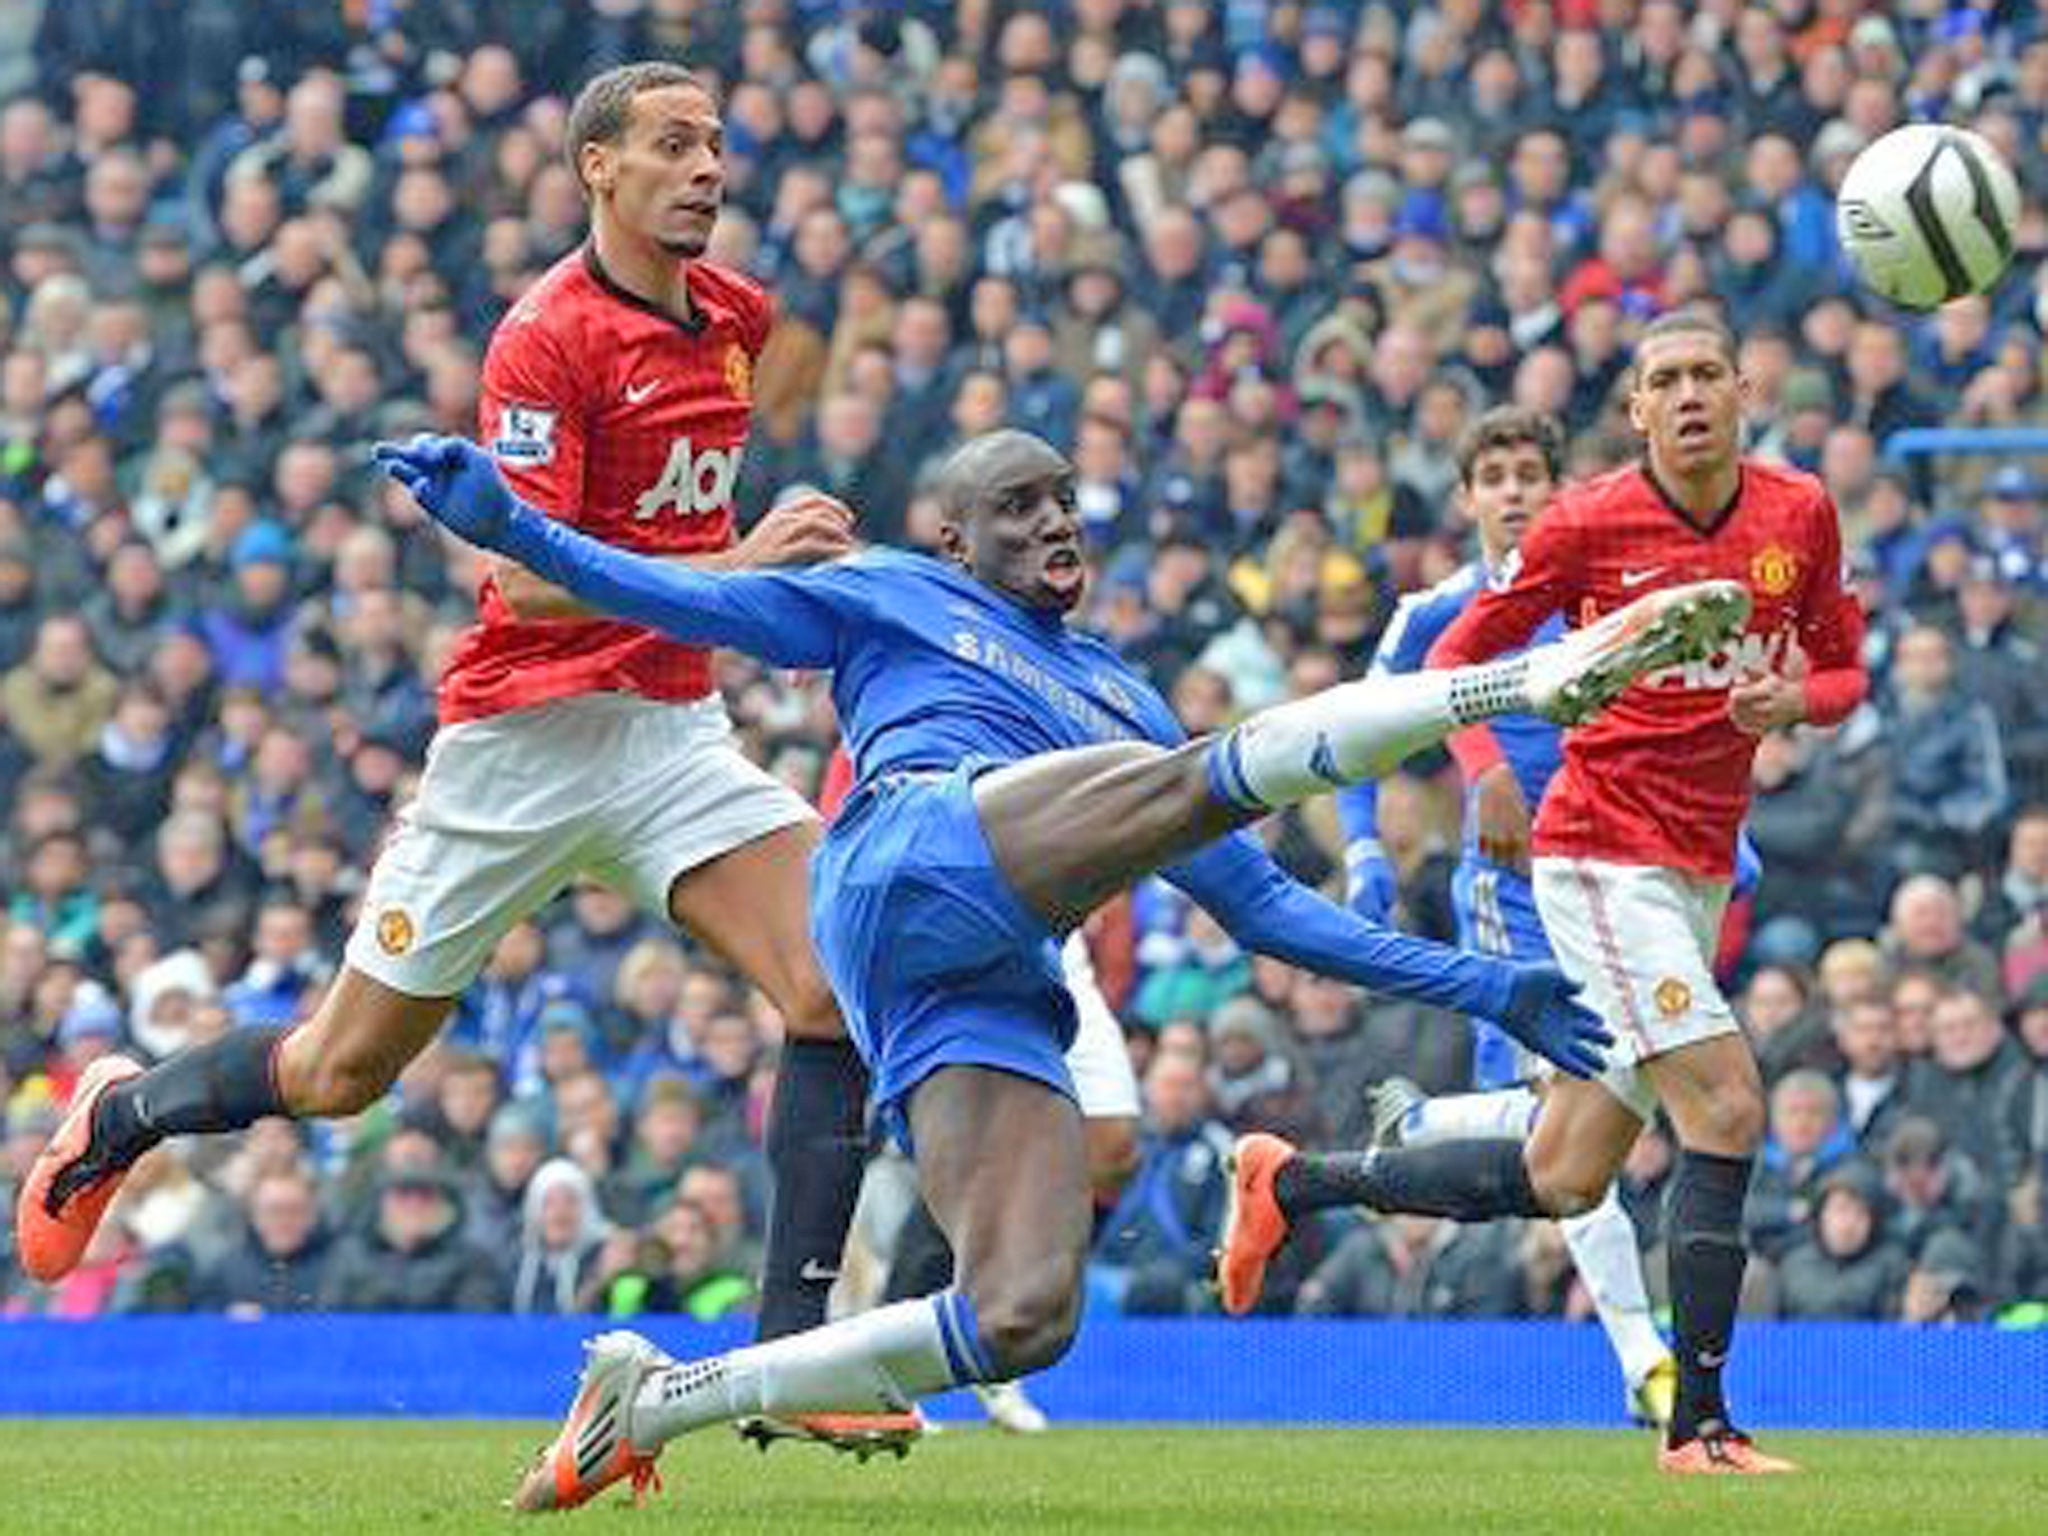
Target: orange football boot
x: 51, y: 1233
x: 1255, y: 1226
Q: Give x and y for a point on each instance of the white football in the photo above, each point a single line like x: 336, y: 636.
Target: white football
x: 1927, y: 214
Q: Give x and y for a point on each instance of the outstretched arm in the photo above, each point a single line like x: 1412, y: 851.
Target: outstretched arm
x: 788, y: 617
x: 1264, y: 910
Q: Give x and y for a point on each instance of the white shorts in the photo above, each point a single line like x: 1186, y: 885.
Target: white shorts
x: 512, y: 809
x: 1640, y: 941
x: 1104, y: 1084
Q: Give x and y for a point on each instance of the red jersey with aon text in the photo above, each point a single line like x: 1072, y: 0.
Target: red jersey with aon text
x: 1662, y: 777
x: 627, y: 423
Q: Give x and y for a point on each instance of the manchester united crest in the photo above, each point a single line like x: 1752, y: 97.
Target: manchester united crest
x: 739, y: 372
x: 394, y: 931
x: 1673, y: 997
x: 1774, y: 571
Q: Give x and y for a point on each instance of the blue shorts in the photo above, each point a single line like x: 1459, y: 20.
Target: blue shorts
x: 934, y: 959
x: 1496, y: 909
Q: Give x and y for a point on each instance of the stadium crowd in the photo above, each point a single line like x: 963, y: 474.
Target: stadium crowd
x: 1254, y: 264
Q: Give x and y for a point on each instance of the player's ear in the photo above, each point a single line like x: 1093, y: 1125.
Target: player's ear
x: 595, y: 161
x: 952, y: 541
x: 1636, y: 418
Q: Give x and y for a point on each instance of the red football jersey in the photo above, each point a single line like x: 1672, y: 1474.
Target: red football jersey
x: 1662, y: 776
x: 627, y: 423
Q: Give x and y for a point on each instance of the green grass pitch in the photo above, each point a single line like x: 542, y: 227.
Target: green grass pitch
x: 163, y: 1477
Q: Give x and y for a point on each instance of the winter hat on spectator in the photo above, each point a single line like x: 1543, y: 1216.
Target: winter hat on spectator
x: 414, y: 120
x: 1325, y: 21
x: 1429, y: 133
x: 1954, y: 1262
x: 181, y: 971
x: 93, y: 1015
x: 1806, y: 389
x: 1859, y: 1179
x: 32, y: 1111
x: 1839, y: 140
x: 261, y: 543
x: 1915, y: 1140
x: 1421, y: 217
x: 516, y: 1122
x: 1245, y: 1016
x: 2012, y: 482
x: 1142, y: 69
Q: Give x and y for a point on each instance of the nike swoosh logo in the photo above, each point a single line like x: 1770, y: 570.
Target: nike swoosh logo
x: 635, y: 393
x: 1322, y: 762
x: 1637, y: 578
x: 817, y: 1273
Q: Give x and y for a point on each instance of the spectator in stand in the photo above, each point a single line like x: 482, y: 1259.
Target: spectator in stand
x: 1152, y: 1257
x: 1845, y: 1266
x: 279, y: 1262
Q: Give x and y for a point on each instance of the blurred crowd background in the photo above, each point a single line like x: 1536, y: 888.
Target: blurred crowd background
x: 1255, y: 264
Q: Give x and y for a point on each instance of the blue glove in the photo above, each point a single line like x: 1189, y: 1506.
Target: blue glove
x: 455, y: 482
x: 1749, y: 863
x: 1370, y: 883
x: 1543, y: 1013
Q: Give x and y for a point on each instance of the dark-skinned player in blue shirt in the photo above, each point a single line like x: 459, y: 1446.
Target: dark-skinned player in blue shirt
x: 1011, y: 775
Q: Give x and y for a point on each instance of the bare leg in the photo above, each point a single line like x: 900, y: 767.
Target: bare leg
x: 753, y: 906
x: 1003, y: 1165
x: 1071, y: 829
x: 353, y: 1048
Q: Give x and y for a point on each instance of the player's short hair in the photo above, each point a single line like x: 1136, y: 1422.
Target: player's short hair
x: 602, y: 108
x: 1691, y: 322
x: 1511, y: 426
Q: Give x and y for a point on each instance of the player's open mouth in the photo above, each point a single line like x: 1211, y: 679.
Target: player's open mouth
x: 1694, y: 429
x: 1063, y: 566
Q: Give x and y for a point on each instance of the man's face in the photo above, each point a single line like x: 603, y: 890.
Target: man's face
x: 664, y: 178
x: 1506, y: 488
x: 1966, y: 1033
x: 1868, y: 1037
x: 1020, y: 531
x: 1687, y: 401
x: 283, y: 1212
x: 1845, y: 1223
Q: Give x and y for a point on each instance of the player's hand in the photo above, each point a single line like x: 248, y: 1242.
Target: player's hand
x: 1544, y: 1014
x: 455, y: 482
x: 1766, y: 702
x: 1371, y: 884
x: 803, y: 530
x: 1502, y: 818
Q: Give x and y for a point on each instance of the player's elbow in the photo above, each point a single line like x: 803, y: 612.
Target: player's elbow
x: 528, y: 597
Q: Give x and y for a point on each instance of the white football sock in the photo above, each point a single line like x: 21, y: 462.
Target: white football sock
x: 1505, y: 1114
x: 880, y: 1361
x: 1603, y: 1245
x: 1355, y: 731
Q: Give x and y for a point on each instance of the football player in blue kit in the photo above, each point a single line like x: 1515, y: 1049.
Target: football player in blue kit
x: 1509, y: 462
x: 1011, y: 775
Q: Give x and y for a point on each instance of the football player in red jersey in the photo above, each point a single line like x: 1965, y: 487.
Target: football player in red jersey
x: 616, y: 394
x: 1633, y: 859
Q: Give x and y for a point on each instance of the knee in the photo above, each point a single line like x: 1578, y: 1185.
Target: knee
x: 1028, y: 1320
x: 1112, y: 1155
x: 330, y: 1081
x: 1565, y: 1188
x: 1729, y: 1121
x: 809, y: 1010
x: 1572, y: 1196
